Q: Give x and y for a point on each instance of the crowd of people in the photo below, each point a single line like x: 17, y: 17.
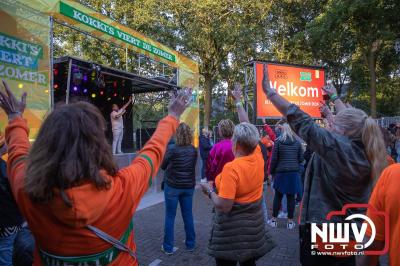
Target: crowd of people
x: 67, y: 190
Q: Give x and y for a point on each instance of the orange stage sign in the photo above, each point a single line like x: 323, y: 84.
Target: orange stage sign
x: 299, y: 85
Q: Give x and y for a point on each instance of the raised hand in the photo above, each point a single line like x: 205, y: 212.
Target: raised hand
x: 330, y: 90
x: 265, y: 83
x: 180, y: 102
x: 11, y: 106
x: 237, y: 92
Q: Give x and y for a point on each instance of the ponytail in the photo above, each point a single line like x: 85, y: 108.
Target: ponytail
x: 374, y: 144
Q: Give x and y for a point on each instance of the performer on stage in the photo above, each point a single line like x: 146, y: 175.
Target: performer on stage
x: 117, y: 124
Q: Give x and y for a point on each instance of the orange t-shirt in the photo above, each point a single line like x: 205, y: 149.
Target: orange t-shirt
x: 386, y: 197
x: 242, y: 179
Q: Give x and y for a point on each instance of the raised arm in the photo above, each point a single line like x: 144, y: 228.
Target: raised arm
x: 127, y: 104
x: 16, y: 135
x: 320, y: 140
x: 237, y: 96
x: 146, y: 164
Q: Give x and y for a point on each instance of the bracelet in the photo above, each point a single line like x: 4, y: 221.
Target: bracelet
x: 334, y: 97
x: 238, y: 104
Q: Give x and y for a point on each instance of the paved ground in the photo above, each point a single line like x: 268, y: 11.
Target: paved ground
x: 149, y: 225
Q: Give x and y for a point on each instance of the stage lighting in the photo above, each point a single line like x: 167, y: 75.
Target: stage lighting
x: 56, y: 86
x: 20, y: 86
x: 93, y: 95
x: 85, y: 91
x: 75, y: 88
x: 115, y: 94
x: 108, y: 99
x: 101, y: 92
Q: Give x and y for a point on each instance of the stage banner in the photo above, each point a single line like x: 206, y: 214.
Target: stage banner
x: 25, y: 59
x: 300, y: 85
x: 191, y: 114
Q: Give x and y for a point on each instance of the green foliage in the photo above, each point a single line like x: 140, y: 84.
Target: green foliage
x: 353, y: 39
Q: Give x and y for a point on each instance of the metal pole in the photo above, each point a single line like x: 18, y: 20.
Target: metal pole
x: 126, y: 59
x: 68, y: 81
x: 51, y: 63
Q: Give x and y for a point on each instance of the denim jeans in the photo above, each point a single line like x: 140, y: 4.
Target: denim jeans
x: 185, y: 199
x: 203, y: 168
x: 6, y: 250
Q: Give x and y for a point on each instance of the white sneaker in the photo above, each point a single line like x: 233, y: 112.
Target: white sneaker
x: 282, y: 215
x: 291, y: 225
x: 272, y: 223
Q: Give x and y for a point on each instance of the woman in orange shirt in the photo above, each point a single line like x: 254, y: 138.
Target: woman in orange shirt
x: 77, y: 204
x: 239, y: 233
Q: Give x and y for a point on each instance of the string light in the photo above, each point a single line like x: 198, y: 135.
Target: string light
x: 75, y: 88
x: 20, y: 86
x: 93, y: 95
x: 85, y: 91
x: 101, y: 92
x: 115, y: 94
x: 56, y: 86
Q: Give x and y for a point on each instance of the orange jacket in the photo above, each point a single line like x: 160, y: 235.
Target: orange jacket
x: 59, y: 229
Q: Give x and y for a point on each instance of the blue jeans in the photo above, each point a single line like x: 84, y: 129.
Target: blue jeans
x: 203, y: 168
x: 185, y: 199
x: 6, y: 250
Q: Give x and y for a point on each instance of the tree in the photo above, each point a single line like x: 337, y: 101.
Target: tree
x: 366, y: 28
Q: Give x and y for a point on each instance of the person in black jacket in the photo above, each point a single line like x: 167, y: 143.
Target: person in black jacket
x: 204, y: 147
x: 11, y: 219
x: 179, y: 165
x: 286, y: 158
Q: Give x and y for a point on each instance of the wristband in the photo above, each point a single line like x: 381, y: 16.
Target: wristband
x: 238, y: 104
x: 334, y: 97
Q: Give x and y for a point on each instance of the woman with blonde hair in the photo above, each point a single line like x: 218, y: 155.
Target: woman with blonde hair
x: 179, y: 165
x: 346, y: 162
x: 286, y: 158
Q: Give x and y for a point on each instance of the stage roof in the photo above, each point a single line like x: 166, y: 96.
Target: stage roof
x: 140, y: 84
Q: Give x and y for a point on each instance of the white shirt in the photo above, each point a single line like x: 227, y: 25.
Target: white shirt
x: 117, y: 122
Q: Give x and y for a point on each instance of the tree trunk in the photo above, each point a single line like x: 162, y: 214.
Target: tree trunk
x: 371, y: 58
x: 207, y: 99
